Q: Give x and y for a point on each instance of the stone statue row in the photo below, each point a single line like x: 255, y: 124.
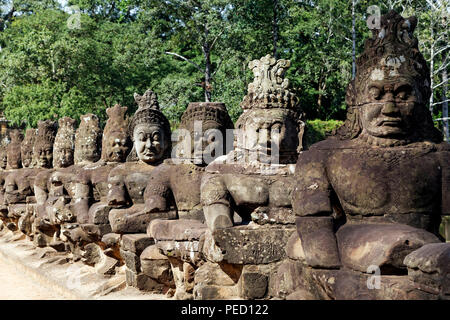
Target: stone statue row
x: 316, y: 225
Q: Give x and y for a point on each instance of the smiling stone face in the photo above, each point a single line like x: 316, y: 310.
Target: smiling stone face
x: 149, y: 130
x: 150, y: 142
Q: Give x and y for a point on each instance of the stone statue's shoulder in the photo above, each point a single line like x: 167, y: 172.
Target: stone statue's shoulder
x: 443, y: 147
x: 332, y: 143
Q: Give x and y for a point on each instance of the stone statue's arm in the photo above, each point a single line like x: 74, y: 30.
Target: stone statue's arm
x: 117, y: 191
x: 311, y: 204
x: 158, y: 191
x: 82, y: 194
x: 215, y: 201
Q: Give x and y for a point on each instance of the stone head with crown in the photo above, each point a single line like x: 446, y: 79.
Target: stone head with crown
x: 387, y: 99
x: 271, y: 118
x: 149, y: 130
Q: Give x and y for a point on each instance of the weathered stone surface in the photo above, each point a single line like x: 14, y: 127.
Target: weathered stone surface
x: 222, y: 274
x: 99, y: 213
x: 156, y: 266
x: 149, y: 130
x: 288, y: 278
x: 248, y: 245
x: 175, y: 184
x: 318, y: 241
x: 265, y: 215
x: 143, y: 282
x: 111, y: 239
x: 250, y: 176
x: 254, y: 285
x: 183, y: 279
x: 354, y: 286
x: 188, y: 251
x: 384, y: 245
x: 136, y: 243
x: 132, y: 261
x: 294, y: 249
x: 96, y: 230
x: 430, y: 265
x: 214, y: 292
x: 300, y: 295
x: 178, y: 230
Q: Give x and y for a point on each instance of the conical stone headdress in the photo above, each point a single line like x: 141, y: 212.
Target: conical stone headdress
x: 117, y: 122
x: 65, y: 139
x: 148, y: 113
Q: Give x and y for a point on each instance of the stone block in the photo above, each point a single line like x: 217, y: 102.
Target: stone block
x: 156, y: 266
x: 248, y: 244
x: 134, y: 223
x: 187, y: 251
x: 99, y: 213
x: 143, y: 282
x: 132, y: 261
x: 136, y: 242
x: 254, y: 285
x: 111, y: 239
x: 287, y: 279
x: 179, y: 230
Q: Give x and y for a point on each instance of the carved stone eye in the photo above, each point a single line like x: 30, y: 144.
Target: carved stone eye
x: 402, y: 95
x: 375, y: 93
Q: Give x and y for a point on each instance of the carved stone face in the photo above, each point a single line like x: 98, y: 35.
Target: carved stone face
x: 208, y: 140
x: 261, y: 128
x: 116, y: 148
x: 44, y: 156
x: 89, y: 150
x: 3, y: 159
x: 389, y: 109
x: 14, y: 160
x: 63, y: 157
x: 150, y: 142
x: 26, y: 156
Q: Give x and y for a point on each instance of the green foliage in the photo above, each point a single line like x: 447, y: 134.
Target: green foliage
x: 317, y: 130
x: 120, y: 48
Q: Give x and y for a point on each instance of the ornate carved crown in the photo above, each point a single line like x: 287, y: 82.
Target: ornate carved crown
x: 269, y: 88
x: 65, y: 137
x: 148, y: 113
x: 13, y: 149
x: 391, y: 54
x: 28, y: 141
x: 88, y: 132
x: 204, y: 111
x: 117, y: 122
x: 46, y: 133
x: 148, y: 100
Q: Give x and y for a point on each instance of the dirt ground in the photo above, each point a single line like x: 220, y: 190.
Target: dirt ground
x: 15, y: 285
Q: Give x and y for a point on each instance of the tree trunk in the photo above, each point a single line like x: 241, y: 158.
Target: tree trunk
x: 207, y: 76
x: 353, y: 40
x: 432, y: 69
x: 445, y: 104
x: 206, y: 48
x: 275, y: 28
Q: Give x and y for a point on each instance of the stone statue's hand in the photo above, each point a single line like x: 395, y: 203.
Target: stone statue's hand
x: 155, y: 204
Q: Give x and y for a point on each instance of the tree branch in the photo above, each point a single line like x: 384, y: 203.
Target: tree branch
x: 185, y: 59
x: 441, y: 102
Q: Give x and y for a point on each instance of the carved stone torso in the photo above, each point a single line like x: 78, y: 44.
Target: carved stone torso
x: 392, y: 184
x: 250, y: 187
x: 129, y: 180
x: 409, y: 183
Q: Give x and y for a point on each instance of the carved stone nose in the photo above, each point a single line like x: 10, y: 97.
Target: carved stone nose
x: 389, y: 108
